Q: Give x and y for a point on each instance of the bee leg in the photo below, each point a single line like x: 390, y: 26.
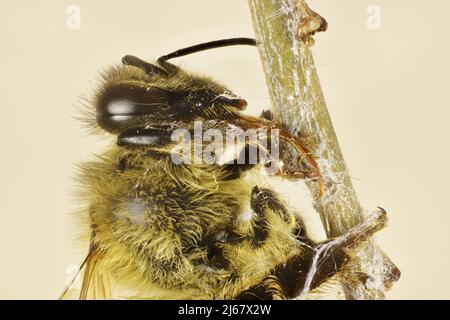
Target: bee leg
x: 123, y: 164
x: 149, y: 137
x: 247, y: 160
x: 330, y: 256
x: 263, y: 199
x: 214, y: 247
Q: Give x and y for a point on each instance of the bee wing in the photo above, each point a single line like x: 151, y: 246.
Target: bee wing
x: 90, y: 281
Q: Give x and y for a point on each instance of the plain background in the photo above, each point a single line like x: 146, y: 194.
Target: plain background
x: 387, y: 92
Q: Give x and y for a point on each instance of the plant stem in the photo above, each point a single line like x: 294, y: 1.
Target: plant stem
x: 298, y: 103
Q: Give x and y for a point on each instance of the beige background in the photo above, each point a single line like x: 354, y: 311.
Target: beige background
x: 387, y: 92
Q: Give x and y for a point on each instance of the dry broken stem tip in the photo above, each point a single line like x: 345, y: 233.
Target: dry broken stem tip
x: 310, y: 23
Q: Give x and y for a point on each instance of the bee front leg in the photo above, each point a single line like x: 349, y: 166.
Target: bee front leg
x: 150, y: 69
x: 170, y: 68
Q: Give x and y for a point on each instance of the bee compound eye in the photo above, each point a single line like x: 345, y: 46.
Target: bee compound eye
x: 124, y: 105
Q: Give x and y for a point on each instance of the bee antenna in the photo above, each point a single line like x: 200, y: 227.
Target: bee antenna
x: 147, y: 67
x: 207, y: 46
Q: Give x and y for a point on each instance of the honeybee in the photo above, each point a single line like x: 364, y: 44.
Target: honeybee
x: 165, y: 230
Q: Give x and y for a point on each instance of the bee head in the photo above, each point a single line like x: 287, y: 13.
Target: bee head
x: 132, y: 98
x: 142, y: 102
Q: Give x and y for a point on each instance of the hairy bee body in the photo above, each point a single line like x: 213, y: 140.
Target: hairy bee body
x: 165, y: 228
